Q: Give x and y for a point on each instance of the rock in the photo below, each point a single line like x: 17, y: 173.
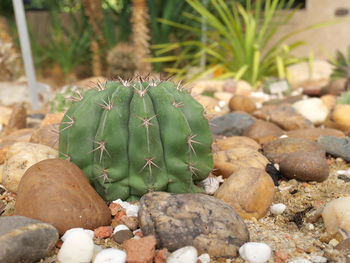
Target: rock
x: 341, y: 116
x: 232, y: 142
x: 263, y: 131
x: 277, y: 209
x: 140, y: 250
x: 223, y: 96
x: 131, y: 209
x: 304, y: 166
x: 336, y: 216
x: 5, y: 115
x: 186, y: 254
x: 312, y: 109
x: 287, y: 100
x: 204, y: 258
x: 230, y: 161
x: 25, y: 240
x: 249, y: 191
x: 122, y: 235
x: 231, y: 124
x: 131, y: 222
x: 19, y: 158
x: 47, y: 135
x: 285, y: 116
x: 18, y: 119
x: 209, y: 104
x: 57, y: 192
x: 198, y: 220
x: 162, y: 255
x: 338, y: 147
x: 241, y: 103
x: 52, y: 118
x: 211, y: 184
x: 314, y: 133
x: 243, y: 88
x: 335, y: 87
x: 110, y: 255
x: 103, y: 232
x: 200, y: 86
x: 255, y: 252
x: 328, y: 100
x: 276, y: 150
x: 77, y: 248
x: 66, y: 234
x: 313, y: 88
x: 344, y: 246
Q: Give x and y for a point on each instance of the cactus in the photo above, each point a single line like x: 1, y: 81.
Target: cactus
x: 133, y: 137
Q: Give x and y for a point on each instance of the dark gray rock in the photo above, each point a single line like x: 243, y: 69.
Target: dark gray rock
x: 278, y: 149
x: 304, y: 166
x: 23, y: 239
x: 198, y: 220
x: 122, y: 235
x: 231, y: 124
x: 338, y: 147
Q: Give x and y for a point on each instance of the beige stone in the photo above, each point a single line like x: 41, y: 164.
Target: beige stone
x: 242, y: 103
x: 329, y: 101
x: 223, y: 96
x: 341, y: 116
x: 52, y: 118
x: 249, y: 191
x: 5, y: 114
x: 263, y: 131
x: 19, y: 158
x: 228, y: 143
x: 209, y: 104
x: 243, y: 88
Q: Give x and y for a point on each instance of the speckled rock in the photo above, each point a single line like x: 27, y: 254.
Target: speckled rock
x: 229, y: 161
x: 47, y: 135
x: 304, y: 166
x: 344, y: 246
x: 232, y: 142
x: 249, y: 191
x: 336, y: 216
x: 338, y: 147
x: 25, y: 240
x: 341, y: 116
x: 52, y: 118
x: 231, y: 124
x: 19, y: 158
x: 198, y: 220
x: 263, y: 131
x: 241, y: 103
x: 276, y: 150
x: 285, y: 116
x: 57, y: 192
x: 314, y: 133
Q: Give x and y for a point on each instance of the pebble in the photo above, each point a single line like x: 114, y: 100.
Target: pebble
x: 241, y: 103
x: 211, y: 184
x: 231, y: 124
x: 341, y: 116
x: 227, y: 143
x: 263, y: 131
x: 186, y: 254
x: 78, y: 247
x: 338, y: 147
x: 277, y: 209
x: 314, y: 133
x: 120, y: 228
x: 131, y: 210
x: 140, y: 250
x: 254, y: 252
x: 25, y: 240
x: 318, y: 259
x: 312, y: 109
x: 204, y: 258
x: 77, y: 229
x: 300, y: 260
x: 110, y: 255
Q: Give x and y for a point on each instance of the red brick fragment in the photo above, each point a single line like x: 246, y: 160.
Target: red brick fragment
x: 114, y: 207
x: 140, y: 250
x: 103, y: 232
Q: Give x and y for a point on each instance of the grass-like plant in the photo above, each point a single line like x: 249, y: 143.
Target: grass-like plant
x: 341, y: 65
x: 240, y: 41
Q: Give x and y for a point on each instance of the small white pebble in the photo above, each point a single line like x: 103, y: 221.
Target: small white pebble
x: 110, y: 255
x: 78, y: 247
x: 186, y: 254
x: 211, y: 184
x: 310, y: 226
x: 277, y: 209
x: 318, y: 259
x: 333, y: 242
x: 69, y: 231
x: 204, y: 258
x: 283, y: 136
x: 300, y: 260
x: 135, y: 231
x: 222, y: 103
x: 217, y: 109
x: 119, y: 228
x: 343, y: 172
x: 255, y: 252
x: 131, y: 210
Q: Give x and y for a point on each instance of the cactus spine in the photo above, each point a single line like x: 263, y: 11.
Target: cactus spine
x: 130, y: 138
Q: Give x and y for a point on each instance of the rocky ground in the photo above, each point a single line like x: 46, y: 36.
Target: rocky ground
x: 292, y: 151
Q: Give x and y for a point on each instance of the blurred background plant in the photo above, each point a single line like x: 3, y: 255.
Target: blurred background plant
x: 239, y: 41
x: 341, y: 68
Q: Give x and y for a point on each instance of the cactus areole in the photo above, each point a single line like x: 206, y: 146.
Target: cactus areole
x: 133, y: 137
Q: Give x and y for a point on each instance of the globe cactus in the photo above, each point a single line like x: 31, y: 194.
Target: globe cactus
x: 133, y: 137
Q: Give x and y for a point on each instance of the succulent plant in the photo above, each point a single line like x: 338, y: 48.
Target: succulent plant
x: 342, y: 67
x: 64, y: 98
x: 344, y: 98
x: 133, y: 137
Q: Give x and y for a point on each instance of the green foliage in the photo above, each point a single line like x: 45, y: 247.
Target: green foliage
x: 130, y: 138
x: 344, y: 99
x: 63, y: 99
x: 341, y: 65
x: 239, y: 40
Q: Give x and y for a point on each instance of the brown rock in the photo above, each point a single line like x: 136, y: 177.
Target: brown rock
x: 47, y: 135
x: 18, y: 119
x: 304, y: 166
x: 52, y: 118
x: 249, y: 191
x: 57, y: 192
x: 285, y: 116
x: 344, y: 246
x: 335, y: 87
x: 202, y: 221
x: 227, y: 143
x: 314, y: 133
x: 341, y: 116
x: 263, y: 131
x: 122, y: 235
x: 276, y: 150
x: 230, y: 161
x: 131, y: 222
x: 103, y: 232
x: 140, y: 250
x: 5, y: 115
x: 242, y: 103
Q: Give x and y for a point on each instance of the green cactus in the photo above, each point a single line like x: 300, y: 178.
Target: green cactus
x: 132, y: 137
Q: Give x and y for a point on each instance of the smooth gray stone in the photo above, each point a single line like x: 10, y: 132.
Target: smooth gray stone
x: 205, y: 222
x: 338, y: 147
x: 231, y: 124
x: 25, y: 240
